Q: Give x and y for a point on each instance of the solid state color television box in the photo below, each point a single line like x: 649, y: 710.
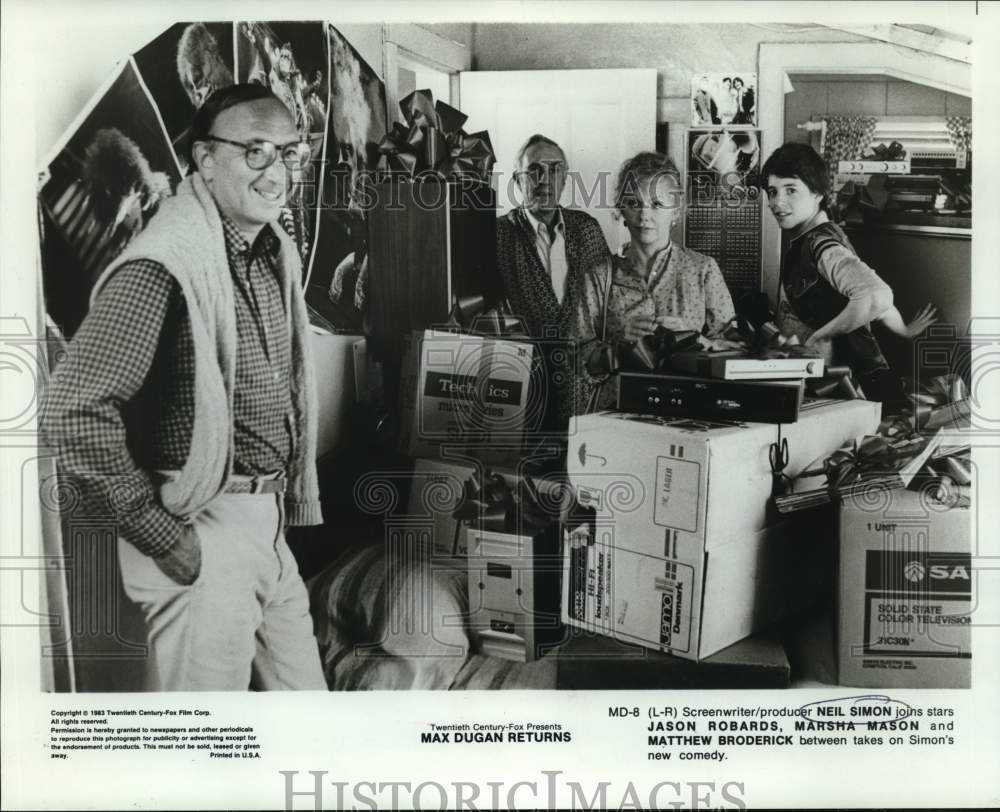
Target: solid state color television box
x: 468, y: 391
x: 904, y: 592
x: 681, y: 511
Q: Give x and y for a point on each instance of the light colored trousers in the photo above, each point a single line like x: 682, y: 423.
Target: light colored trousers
x: 244, y: 621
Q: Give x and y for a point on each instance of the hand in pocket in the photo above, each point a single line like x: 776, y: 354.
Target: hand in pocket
x: 182, y: 562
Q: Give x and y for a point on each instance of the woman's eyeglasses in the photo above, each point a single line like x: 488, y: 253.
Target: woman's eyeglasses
x: 261, y: 154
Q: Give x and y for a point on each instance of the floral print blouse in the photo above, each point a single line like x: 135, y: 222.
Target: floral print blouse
x: 684, y: 291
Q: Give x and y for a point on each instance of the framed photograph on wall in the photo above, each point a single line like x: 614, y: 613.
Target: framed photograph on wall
x: 723, y: 98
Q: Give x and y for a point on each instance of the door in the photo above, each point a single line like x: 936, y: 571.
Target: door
x: 598, y: 117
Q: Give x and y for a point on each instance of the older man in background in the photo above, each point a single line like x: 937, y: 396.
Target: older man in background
x: 543, y: 253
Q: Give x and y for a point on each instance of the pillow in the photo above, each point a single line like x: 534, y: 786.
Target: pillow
x: 390, y: 620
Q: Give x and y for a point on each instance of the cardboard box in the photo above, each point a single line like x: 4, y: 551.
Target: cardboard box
x: 671, y: 483
x: 682, y: 523
x: 514, y: 593
x: 436, y: 490
x: 904, y: 592
x: 336, y: 359
x: 698, y: 601
x: 467, y: 392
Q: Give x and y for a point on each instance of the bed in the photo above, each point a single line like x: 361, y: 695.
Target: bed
x: 389, y: 619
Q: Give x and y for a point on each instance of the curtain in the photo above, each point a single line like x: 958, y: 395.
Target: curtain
x: 847, y: 139
x: 960, y: 132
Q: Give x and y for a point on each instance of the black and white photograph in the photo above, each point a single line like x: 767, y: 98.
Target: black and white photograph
x: 499, y: 407
x: 337, y: 288
x: 202, y: 53
x: 98, y: 192
x: 292, y: 61
x: 726, y: 158
x: 718, y: 98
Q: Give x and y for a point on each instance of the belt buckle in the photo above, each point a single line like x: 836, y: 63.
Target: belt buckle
x: 256, y: 484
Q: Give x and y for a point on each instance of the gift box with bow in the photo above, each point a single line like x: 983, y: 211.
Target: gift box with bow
x: 882, y: 462
x: 432, y: 140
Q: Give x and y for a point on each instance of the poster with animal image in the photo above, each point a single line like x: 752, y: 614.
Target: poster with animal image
x: 357, y: 123
x: 99, y: 190
x: 723, y: 98
x: 181, y: 68
x: 291, y: 60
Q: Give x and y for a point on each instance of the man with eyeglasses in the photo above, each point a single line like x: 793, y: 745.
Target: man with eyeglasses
x: 185, y: 411
x: 543, y: 253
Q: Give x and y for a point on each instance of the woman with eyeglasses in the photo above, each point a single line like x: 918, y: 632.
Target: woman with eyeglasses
x: 652, y: 281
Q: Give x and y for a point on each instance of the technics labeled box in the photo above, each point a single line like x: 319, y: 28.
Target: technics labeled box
x: 430, y: 243
x: 905, y: 591
x: 467, y: 391
x: 681, y: 522
x: 514, y: 592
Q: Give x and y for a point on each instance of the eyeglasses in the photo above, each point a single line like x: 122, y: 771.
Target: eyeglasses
x: 261, y: 154
x: 536, y: 171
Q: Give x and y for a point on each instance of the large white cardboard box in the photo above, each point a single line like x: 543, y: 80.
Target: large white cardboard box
x: 681, y: 510
x: 904, y: 592
x: 696, y: 605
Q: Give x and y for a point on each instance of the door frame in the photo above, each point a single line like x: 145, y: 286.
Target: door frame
x: 776, y: 60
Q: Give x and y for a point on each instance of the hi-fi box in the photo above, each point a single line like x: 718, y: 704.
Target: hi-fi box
x: 708, y: 398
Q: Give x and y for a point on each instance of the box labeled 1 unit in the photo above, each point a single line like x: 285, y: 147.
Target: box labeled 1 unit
x: 904, y: 592
x: 467, y: 392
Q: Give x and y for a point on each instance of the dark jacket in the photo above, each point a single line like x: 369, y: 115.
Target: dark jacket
x: 815, y: 301
x: 529, y: 291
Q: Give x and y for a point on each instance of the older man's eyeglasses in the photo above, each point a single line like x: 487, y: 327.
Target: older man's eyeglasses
x: 538, y: 170
x: 261, y: 154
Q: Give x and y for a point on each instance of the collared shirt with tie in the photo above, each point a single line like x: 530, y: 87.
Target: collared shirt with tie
x: 550, y: 242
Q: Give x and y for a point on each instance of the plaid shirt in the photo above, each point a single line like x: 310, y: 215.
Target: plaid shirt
x: 121, y: 405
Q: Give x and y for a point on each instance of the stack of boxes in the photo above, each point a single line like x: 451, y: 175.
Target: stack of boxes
x: 685, y: 556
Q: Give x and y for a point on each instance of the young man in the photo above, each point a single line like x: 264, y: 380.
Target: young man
x: 186, y: 407
x: 827, y: 294
x: 543, y: 252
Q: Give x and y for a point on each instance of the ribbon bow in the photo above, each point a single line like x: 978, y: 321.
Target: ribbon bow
x: 498, y: 505
x: 470, y: 314
x: 942, y: 401
x: 651, y: 353
x: 432, y: 139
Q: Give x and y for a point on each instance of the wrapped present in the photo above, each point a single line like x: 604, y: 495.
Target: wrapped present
x: 432, y: 140
x: 514, y: 561
x: 880, y: 461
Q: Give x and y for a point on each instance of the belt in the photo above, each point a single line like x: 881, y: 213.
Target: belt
x: 262, y: 483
